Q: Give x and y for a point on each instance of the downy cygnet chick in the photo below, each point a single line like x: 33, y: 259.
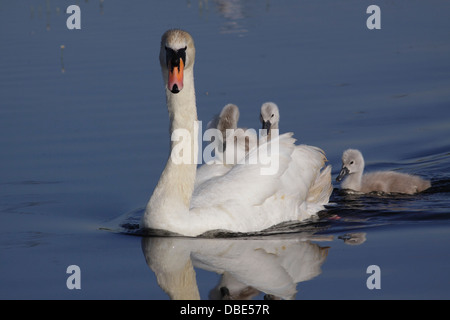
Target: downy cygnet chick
x: 227, y: 124
x: 242, y: 140
x: 382, y: 181
x: 269, y: 116
x: 227, y: 119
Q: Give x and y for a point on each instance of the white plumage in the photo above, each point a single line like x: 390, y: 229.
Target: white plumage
x: 244, y: 199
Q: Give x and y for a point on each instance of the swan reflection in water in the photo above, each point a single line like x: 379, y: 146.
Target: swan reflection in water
x: 247, y: 267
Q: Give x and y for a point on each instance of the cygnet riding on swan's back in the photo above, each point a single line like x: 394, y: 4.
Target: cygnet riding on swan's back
x: 228, y: 119
x: 226, y: 123
x: 269, y: 116
x: 382, y: 181
x: 243, y: 199
x: 320, y: 194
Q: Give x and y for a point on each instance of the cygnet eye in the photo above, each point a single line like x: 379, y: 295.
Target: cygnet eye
x: 351, y: 162
x: 272, y: 115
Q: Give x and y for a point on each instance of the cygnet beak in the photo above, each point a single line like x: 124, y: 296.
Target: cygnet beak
x: 266, y: 125
x: 342, y: 174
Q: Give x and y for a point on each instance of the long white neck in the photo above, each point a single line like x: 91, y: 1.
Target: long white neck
x: 173, y: 193
x: 353, y: 181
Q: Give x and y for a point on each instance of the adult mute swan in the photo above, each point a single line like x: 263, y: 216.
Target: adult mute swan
x: 249, y: 197
x: 382, y: 181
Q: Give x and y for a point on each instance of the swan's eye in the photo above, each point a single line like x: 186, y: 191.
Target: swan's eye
x: 351, y: 162
x: 272, y: 115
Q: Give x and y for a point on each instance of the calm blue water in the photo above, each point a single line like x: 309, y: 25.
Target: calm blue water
x: 83, y: 140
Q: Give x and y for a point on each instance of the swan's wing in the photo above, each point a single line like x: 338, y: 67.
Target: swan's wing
x: 209, y: 171
x: 246, y: 200
x: 249, y: 183
x: 321, y: 190
x: 219, y: 166
x: 302, y: 182
x: 303, y: 171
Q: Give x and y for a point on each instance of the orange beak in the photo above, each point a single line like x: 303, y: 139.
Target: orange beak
x: 175, y: 83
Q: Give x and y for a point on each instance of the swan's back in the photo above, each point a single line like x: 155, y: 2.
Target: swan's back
x: 245, y: 200
x: 244, y: 182
x: 393, y: 182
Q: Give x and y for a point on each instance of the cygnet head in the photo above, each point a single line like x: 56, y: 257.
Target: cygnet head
x: 176, y: 56
x: 270, y: 116
x: 228, y: 118
x: 352, y: 162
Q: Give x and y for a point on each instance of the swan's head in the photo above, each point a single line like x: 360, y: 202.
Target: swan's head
x: 177, y: 55
x: 270, y: 116
x: 352, y: 162
x: 229, y: 117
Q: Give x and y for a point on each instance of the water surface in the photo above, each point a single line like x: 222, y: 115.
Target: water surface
x: 84, y: 138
